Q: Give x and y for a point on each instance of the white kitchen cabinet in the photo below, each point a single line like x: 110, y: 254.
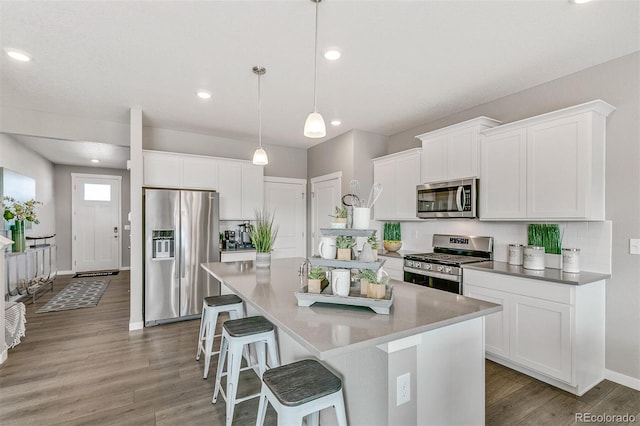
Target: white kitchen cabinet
x: 451, y: 153
x: 173, y: 170
x: 394, y: 267
x: 496, y: 325
x: 551, y: 331
x: 549, y: 167
x: 399, y: 174
x: 162, y: 170
x: 235, y: 256
x: 241, y: 189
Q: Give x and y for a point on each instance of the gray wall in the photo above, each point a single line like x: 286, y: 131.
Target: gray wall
x: 617, y: 83
x: 63, y: 190
x: 283, y: 161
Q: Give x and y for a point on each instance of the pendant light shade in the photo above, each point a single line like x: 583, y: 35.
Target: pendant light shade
x: 314, y: 126
x: 260, y: 155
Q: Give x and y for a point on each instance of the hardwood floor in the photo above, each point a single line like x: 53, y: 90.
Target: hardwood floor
x: 83, y: 367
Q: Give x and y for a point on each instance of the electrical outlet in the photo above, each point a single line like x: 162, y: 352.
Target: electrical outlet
x: 403, y: 386
x: 634, y: 245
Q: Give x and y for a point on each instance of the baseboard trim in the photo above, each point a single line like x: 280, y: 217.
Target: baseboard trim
x: 622, y: 379
x: 4, y: 355
x: 125, y: 268
x: 136, y: 326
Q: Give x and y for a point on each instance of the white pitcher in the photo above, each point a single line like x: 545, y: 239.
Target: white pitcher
x: 327, y: 248
x: 340, y: 282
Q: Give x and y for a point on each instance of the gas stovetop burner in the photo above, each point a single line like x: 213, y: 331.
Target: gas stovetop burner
x: 445, y: 258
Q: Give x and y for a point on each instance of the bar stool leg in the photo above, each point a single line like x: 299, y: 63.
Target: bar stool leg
x: 341, y: 413
x: 233, y: 377
x: 273, y: 352
x: 203, y: 321
x: 219, y: 370
x: 210, y: 332
x: 262, y: 406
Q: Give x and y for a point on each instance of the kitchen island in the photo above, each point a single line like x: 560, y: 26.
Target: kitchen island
x: 432, y: 338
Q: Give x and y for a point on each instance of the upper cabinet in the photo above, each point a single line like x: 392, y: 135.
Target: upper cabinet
x: 451, y: 153
x: 239, y: 182
x: 172, y: 170
x: 399, y: 175
x: 547, y: 167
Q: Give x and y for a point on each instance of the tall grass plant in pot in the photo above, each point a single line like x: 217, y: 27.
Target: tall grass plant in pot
x: 263, y: 236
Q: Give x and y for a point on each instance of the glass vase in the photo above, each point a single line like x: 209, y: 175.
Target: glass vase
x: 18, y: 237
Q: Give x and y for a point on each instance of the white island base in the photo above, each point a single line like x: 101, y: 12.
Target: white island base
x: 433, y: 337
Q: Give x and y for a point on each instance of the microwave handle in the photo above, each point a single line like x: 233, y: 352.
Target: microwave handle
x: 459, y: 195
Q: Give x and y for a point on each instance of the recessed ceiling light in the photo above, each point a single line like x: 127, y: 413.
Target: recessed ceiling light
x: 332, y: 54
x: 18, y: 55
x: 95, y: 160
x: 203, y: 94
x: 336, y: 122
x: 579, y: 1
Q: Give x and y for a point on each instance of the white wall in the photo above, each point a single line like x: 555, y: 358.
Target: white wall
x: 20, y: 159
x: 617, y: 83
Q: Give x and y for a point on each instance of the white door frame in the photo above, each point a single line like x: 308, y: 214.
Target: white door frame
x: 303, y: 183
x: 74, y: 178
x: 314, y: 219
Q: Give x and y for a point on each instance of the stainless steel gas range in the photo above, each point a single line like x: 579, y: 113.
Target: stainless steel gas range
x: 442, y: 268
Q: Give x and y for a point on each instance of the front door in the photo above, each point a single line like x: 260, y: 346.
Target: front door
x: 95, y: 222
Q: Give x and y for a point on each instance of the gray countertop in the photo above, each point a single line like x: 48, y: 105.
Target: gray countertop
x: 548, y: 274
x: 328, y: 330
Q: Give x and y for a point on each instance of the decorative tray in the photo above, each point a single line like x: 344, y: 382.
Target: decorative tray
x: 379, y: 306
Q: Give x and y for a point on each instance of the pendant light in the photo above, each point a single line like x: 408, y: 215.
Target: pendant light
x: 260, y: 155
x: 314, y: 126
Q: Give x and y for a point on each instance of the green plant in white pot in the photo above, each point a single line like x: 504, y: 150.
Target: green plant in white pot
x: 263, y: 236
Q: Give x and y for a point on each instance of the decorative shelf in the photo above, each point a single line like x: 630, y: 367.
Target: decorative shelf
x: 346, y: 264
x: 379, y: 306
x: 349, y: 232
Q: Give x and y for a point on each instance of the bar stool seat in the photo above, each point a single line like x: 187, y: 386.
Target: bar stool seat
x: 301, y: 389
x: 212, y: 306
x: 236, y: 334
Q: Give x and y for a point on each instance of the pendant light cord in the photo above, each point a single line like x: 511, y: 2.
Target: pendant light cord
x: 259, y: 114
x: 315, y: 63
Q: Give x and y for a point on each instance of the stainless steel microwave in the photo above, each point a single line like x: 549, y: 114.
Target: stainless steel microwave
x: 453, y: 199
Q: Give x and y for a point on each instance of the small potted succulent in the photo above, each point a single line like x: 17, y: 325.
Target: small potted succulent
x: 344, y: 244
x: 377, y: 289
x: 375, y: 245
x: 316, y: 280
x: 392, y: 236
x: 366, y: 276
x: 340, y: 217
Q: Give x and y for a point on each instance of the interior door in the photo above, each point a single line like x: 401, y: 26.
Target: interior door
x: 287, y: 199
x: 96, y: 222
x: 327, y: 194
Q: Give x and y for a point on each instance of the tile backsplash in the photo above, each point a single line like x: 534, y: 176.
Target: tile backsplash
x: 592, y: 238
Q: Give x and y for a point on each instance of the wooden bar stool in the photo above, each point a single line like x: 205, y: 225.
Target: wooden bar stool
x: 236, y: 334
x: 301, y: 389
x: 212, y: 306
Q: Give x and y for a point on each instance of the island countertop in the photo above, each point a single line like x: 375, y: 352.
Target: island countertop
x: 328, y: 330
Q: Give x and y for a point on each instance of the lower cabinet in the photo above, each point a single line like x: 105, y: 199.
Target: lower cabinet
x: 551, y: 331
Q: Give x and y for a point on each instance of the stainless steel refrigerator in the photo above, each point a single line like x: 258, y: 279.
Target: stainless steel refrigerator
x: 181, y: 231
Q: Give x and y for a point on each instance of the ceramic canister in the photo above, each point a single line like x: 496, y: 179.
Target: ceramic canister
x: 571, y: 260
x: 533, y: 258
x: 515, y: 254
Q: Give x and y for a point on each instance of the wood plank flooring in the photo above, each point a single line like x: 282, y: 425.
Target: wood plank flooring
x: 83, y: 367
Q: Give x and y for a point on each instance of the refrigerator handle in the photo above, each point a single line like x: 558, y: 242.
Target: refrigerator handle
x: 178, y: 244
x: 183, y: 251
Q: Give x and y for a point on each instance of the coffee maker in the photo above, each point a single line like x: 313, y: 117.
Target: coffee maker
x: 243, y: 237
x: 229, y: 241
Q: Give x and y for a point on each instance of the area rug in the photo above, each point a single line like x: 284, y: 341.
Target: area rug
x: 95, y: 274
x: 76, y: 295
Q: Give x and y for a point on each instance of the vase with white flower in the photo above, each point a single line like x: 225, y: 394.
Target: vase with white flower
x: 18, y: 212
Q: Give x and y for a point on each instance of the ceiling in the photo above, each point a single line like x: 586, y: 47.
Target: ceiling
x: 404, y: 63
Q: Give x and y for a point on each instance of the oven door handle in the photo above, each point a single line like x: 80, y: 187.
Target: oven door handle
x: 459, y: 194
x: 447, y: 277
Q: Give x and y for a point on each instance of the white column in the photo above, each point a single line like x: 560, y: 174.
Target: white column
x: 136, y: 321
